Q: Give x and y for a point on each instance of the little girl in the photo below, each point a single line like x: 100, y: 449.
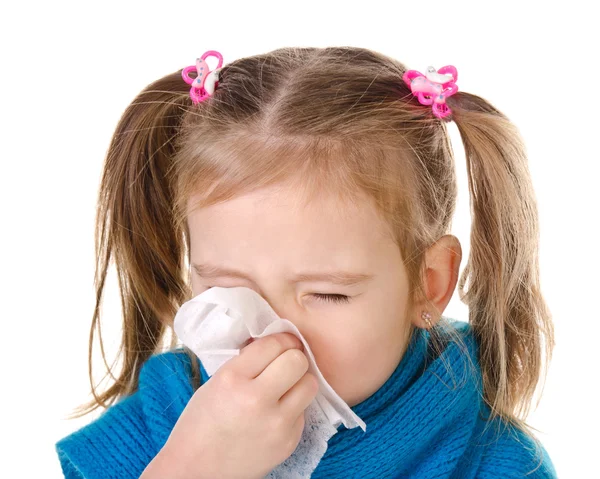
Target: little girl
x: 322, y: 178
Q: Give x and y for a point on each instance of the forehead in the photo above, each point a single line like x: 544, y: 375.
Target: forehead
x: 283, y: 205
x: 279, y: 217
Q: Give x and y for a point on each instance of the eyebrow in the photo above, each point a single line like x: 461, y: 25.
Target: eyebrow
x: 342, y: 278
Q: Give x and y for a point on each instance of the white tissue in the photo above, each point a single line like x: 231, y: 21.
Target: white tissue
x: 216, y: 323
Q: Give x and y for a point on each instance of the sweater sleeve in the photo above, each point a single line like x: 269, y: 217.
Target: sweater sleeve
x: 116, y: 445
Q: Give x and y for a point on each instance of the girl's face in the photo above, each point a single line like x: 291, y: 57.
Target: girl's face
x: 270, y: 240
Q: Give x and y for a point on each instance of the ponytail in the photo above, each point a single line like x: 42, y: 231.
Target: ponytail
x: 135, y: 224
x: 506, y: 309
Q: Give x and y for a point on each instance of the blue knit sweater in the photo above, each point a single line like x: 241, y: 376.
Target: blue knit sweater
x: 426, y: 421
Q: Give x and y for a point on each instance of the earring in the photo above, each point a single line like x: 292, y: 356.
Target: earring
x: 427, y: 317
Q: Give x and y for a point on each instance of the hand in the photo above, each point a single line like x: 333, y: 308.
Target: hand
x: 248, y: 418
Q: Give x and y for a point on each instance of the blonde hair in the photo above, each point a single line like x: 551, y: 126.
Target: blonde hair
x: 333, y: 120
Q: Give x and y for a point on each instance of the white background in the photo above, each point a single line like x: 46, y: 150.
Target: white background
x: 70, y: 69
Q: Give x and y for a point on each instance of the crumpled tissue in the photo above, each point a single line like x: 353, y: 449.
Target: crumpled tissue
x: 218, y: 322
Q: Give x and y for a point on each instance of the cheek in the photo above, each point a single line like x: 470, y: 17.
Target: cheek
x: 338, y: 349
x: 363, y: 341
x: 347, y: 362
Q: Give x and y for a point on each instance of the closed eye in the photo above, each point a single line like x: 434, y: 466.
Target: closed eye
x: 333, y: 298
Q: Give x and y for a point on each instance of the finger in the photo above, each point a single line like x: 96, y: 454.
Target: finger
x: 282, y: 374
x: 256, y: 356
x: 296, y: 400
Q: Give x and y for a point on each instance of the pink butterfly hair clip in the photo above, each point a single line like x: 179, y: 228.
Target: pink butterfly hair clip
x: 434, y: 87
x: 205, y: 83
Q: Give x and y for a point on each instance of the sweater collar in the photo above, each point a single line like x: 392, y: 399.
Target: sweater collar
x: 424, y: 419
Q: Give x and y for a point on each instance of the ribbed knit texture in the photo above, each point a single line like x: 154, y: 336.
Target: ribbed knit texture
x: 426, y: 421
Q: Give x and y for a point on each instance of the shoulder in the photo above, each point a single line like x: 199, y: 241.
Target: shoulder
x: 171, y: 369
x: 511, y: 453
x: 126, y: 437
x: 116, y: 444
x: 165, y: 388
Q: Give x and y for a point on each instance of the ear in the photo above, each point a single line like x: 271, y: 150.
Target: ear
x: 440, y: 275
